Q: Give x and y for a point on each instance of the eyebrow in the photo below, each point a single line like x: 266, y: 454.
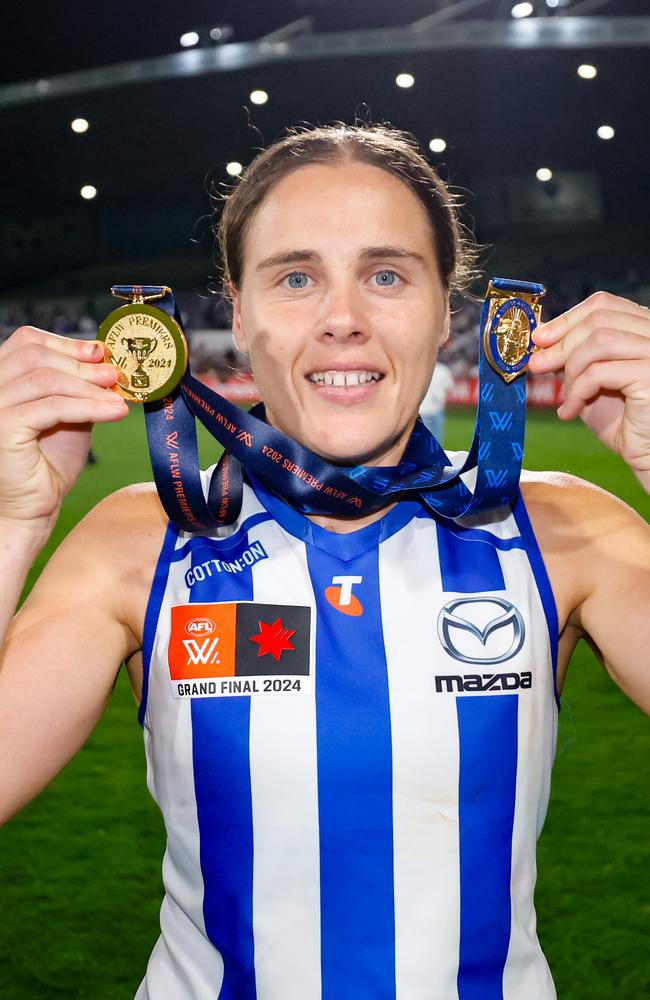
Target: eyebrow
x: 367, y: 253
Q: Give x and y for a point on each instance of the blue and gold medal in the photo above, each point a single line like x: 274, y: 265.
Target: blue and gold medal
x: 513, y: 312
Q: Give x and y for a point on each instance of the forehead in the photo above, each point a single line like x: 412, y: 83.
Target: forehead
x: 335, y: 206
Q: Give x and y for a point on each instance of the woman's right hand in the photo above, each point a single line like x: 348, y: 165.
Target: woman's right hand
x: 52, y: 390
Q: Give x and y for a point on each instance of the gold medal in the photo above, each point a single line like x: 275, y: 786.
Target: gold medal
x: 148, y: 348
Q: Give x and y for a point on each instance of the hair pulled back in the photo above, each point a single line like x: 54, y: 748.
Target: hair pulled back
x: 390, y: 149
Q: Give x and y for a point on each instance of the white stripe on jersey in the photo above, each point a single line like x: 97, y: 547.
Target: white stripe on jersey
x: 425, y: 756
x: 284, y: 784
x: 526, y: 971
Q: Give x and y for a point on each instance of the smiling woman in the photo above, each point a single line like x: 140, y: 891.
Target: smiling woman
x: 349, y: 722
x: 344, y: 334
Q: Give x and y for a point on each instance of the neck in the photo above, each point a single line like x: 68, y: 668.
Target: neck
x: 390, y: 454
x: 345, y: 525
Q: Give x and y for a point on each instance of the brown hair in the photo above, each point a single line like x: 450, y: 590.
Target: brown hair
x: 381, y: 146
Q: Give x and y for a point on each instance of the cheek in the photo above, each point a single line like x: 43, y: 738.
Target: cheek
x: 272, y: 358
x: 273, y: 349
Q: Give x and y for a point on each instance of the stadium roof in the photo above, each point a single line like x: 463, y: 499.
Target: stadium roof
x: 164, y: 120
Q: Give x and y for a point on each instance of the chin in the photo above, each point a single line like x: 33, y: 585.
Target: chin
x: 362, y: 452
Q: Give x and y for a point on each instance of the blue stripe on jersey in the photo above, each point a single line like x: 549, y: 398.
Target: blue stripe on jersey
x: 488, y: 739
x: 355, y: 806
x: 220, y: 734
x: 465, y: 567
x: 487, y: 730
x: 154, y: 603
x: 542, y: 581
x: 480, y: 535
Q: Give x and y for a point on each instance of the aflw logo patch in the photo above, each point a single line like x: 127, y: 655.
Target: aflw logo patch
x: 218, y: 650
x: 204, y: 652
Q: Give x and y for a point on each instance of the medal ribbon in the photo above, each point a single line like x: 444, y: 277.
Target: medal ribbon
x: 308, y: 482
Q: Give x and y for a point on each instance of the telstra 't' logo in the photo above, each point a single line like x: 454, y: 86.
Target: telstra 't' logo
x: 340, y: 595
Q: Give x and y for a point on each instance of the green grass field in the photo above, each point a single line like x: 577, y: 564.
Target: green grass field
x: 80, y: 883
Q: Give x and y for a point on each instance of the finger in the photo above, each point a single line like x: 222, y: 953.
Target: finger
x: 34, y: 356
x: 82, y: 350
x: 549, y: 333
x: 44, y: 414
x: 627, y: 377
x: 603, y: 345
x: 48, y: 382
x: 604, y: 329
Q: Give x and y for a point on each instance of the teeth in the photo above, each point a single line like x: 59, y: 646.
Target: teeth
x: 344, y: 378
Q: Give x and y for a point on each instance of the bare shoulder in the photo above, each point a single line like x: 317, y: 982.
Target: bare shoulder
x: 108, y: 558
x: 564, y: 507
x: 134, y: 512
x: 588, y: 537
x: 123, y: 531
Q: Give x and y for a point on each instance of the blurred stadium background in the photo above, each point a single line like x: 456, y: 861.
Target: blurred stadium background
x: 122, y: 124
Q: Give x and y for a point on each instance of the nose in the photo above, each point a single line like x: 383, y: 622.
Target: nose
x: 343, y: 315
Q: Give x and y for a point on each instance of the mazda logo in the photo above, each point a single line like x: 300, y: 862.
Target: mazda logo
x: 466, y: 619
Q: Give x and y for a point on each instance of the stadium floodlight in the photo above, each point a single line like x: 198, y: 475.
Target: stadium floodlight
x: 79, y: 125
x: 544, y: 175
x: 88, y: 192
x: 605, y: 132
x: 188, y: 39
x: 258, y: 96
x: 437, y: 145
x: 234, y: 168
x: 221, y: 33
x: 521, y: 10
x: 404, y: 80
x: 586, y: 71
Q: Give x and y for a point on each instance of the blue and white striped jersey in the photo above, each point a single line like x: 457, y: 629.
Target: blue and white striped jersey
x: 350, y: 738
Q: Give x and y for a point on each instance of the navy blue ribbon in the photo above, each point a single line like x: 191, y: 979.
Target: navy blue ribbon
x: 313, y: 485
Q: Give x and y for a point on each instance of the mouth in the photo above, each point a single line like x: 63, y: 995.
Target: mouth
x: 345, y: 387
x: 345, y: 379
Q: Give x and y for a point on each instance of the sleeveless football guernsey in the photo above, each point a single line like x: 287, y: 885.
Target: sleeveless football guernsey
x: 350, y: 738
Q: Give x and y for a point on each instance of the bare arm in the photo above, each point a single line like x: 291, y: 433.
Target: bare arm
x: 597, y: 552
x: 52, y: 389
x: 65, y: 647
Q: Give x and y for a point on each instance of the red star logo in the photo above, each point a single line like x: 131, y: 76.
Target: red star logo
x: 273, y: 639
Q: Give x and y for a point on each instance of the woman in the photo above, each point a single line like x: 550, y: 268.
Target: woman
x: 365, y: 827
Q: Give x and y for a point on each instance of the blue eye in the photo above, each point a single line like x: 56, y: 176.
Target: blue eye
x: 386, y: 279
x: 297, y: 279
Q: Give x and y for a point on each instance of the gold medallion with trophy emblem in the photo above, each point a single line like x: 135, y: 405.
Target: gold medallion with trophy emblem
x: 148, y: 348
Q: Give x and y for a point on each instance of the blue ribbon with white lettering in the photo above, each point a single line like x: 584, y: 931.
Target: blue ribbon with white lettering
x: 313, y: 485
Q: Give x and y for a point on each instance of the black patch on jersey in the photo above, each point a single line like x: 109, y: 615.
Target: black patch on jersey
x: 272, y: 640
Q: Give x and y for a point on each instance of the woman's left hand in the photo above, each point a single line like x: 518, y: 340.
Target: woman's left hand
x: 602, y: 346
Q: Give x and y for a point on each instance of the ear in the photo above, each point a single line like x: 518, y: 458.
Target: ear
x: 239, y: 334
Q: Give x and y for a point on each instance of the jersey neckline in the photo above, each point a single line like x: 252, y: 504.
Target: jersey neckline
x: 342, y: 546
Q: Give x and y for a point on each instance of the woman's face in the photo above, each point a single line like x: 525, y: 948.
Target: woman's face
x: 342, y: 310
